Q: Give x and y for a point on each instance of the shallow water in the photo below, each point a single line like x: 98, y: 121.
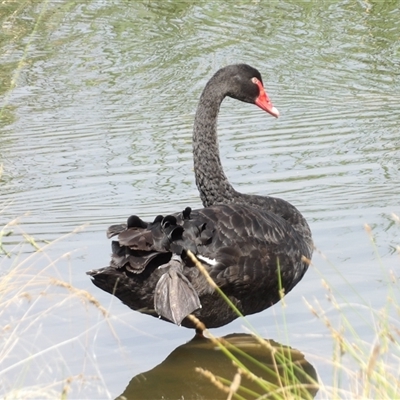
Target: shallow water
x: 97, y: 112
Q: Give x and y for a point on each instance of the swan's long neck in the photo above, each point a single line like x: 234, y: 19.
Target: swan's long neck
x: 211, y: 180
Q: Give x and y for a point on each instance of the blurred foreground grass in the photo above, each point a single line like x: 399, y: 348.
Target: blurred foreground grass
x: 361, y: 368
x: 39, y: 335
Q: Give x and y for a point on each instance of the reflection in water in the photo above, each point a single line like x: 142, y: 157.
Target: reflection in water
x: 176, y: 377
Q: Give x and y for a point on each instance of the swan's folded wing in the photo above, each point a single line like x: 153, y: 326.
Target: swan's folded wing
x: 250, y: 246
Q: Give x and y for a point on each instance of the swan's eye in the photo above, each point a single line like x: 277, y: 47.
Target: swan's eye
x: 255, y: 80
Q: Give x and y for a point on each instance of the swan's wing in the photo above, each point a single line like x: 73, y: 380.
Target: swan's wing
x: 249, y: 246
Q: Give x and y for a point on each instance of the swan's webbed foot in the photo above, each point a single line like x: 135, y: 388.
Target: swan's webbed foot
x: 174, y: 297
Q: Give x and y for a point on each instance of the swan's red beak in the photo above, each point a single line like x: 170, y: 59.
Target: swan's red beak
x: 263, y: 100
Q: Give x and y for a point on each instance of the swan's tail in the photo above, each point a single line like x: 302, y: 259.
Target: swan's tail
x: 146, y: 268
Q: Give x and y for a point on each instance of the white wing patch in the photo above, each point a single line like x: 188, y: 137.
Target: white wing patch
x: 207, y: 260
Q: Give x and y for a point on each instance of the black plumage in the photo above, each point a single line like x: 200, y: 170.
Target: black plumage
x: 253, y: 247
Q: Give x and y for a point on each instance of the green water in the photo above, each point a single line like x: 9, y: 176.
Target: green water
x: 97, y: 105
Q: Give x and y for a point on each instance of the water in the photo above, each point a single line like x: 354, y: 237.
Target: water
x: 98, y: 106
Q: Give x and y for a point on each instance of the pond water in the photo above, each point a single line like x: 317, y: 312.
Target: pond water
x: 98, y: 100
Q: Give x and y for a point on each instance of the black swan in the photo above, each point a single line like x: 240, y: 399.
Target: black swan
x: 255, y: 248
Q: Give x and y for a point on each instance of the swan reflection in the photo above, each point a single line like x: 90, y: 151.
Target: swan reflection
x: 281, y: 368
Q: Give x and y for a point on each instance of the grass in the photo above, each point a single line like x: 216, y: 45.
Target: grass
x: 265, y: 369
x: 283, y: 377
x: 38, y: 310
x: 361, y: 369
x: 34, y: 296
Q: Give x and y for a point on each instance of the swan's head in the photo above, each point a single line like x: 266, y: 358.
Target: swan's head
x: 245, y: 84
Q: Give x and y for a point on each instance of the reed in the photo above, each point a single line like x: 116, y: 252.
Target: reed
x: 287, y: 379
x: 361, y: 369
x: 38, y: 310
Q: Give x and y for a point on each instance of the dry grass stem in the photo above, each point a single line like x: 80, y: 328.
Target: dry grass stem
x: 235, y: 384
x: 200, y: 266
x: 213, y: 379
x: 81, y: 294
